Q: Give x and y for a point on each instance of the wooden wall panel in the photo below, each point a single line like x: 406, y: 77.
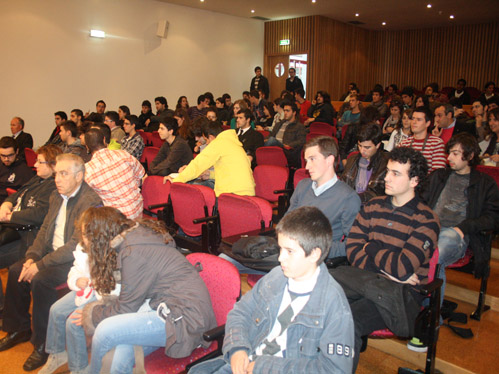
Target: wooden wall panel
x: 340, y: 53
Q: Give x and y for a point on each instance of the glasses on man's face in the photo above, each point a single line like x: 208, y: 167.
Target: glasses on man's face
x: 7, y: 156
x: 42, y: 162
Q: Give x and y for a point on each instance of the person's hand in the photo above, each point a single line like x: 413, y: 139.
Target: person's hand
x: 478, y: 121
x: 77, y: 317
x: 147, y: 122
x: 29, y: 271
x: 437, y: 131
x: 182, y: 168
x: 308, y: 121
x: 495, y: 158
x: 239, y: 362
x: 205, y: 175
x: 458, y: 112
x: 3, y: 214
x: 167, y: 179
x: 82, y: 282
x: 413, y: 280
x: 251, y: 365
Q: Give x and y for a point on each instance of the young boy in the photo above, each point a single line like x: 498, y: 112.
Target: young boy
x: 296, y: 319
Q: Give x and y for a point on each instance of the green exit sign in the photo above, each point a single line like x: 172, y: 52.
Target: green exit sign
x: 284, y: 42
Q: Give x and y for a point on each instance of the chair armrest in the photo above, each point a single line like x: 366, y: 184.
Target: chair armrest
x: 214, y: 333
x: 431, y: 287
x: 156, y: 206
x: 286, y: 191
x: 204, y: 219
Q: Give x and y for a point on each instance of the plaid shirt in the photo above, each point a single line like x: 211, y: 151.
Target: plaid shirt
x: 116, y: 176
x: 133, y: 145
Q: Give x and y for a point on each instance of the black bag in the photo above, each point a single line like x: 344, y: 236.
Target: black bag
x: 256, y: 252
x: 8, y: 235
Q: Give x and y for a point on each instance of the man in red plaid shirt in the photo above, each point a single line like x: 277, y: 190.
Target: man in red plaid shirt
x: 115, y: 175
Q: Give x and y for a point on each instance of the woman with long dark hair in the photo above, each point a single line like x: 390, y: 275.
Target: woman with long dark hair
x: 163, y: 301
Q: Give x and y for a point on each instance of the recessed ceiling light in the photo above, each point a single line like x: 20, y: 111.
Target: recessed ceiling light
x: 313, y: 1
x: 428, y: 6
x: 384, y: 23
x: 451, y: 16
x: 356, y: 14
x: 252, y: 10
x: 202, y: 1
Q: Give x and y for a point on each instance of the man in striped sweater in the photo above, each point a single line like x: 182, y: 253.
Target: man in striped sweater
x: 389, y: 248
x: 431, y: 146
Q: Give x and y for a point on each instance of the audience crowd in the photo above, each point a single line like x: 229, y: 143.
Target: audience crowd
x: 391, y: 176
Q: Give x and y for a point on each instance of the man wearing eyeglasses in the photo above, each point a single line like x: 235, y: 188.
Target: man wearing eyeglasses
x: 13, y: 171
x: 47, y: 261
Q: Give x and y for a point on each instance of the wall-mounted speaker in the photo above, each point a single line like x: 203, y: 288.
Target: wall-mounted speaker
x: 162, y: 30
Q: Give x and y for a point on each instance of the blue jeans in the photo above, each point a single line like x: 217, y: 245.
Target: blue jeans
x: 122, y: 332
x: 271, y: 141
x: 450, y: 249
x: 240, y: 267
x: 61, y: 333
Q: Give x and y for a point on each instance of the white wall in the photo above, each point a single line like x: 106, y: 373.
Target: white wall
x: 50, y: 63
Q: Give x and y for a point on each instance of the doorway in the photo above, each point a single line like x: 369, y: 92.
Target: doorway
x: 279, y: 67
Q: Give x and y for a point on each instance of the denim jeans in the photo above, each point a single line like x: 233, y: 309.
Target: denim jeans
x: 450, y: 249
x: 122, y: 332
x: 61, y: 333
x: 271, y: 141
x: 240, y: 267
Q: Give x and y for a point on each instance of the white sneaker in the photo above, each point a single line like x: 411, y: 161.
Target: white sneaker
x: 54, y: 362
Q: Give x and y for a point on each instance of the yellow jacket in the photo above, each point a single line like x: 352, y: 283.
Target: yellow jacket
x: 232, y: 166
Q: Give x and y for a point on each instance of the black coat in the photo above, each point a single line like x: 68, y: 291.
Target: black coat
x: 24, y: 140
x: 263, y: 85
x: 482, y: 213
x: 251, y: 140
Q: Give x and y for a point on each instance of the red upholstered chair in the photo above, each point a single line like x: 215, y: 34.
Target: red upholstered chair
x: 322, y: 128
x: 271, y: 156
x: 30, y: 156
x: 146, y: 137
x: 270, y: 184
x: 343, y: 131
x: 225, y: 127
x: 239, y: 214
x: 264, y: 133
x: 148, y: 156
x: 351, y: 154
x: 155, y: 195
x: 192, y: 212
x: 156, y: 140
x: 432, y: 323
x: 299, y: 175
x: 224, y: 285
x: 10, y: 191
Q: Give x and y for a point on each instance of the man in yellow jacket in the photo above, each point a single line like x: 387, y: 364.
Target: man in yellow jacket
x: 232, y: 167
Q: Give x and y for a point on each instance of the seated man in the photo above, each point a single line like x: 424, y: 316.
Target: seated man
x: 339, y: 203
x: 115, y: 175
x: 303, y: 322
x: 479, y: 120
x: 431, y: 146
x: 303, y: 103
x: 250, y: 138
x: 466, y: 202
x: 257, y: 105
x: 174, y: 153
x: 352, y: 115
x: 23, y: 139
x: 289, y: 134
x: 365, y: 171
x: 389, y: 248
x: 378, y: 102
x: 232, y: 168
x: 13, y: 172
x: 460, y: 93
x: 446, y: 125
x: 47, y: 261
x: 70, y: 141
x: 112, y: 119
x: 55, y: 138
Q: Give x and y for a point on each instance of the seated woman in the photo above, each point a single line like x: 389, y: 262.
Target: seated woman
x: 174, y: 153
x: 28, y: 206
x: 239, y: 105
x: 321, y: 110
x: 401, y: 132
x: 268, y: 120
x: 365, y: 171
x: 163, y: 301
x: 491, y: 154
x: 395, y: 118
x: 185, y: 127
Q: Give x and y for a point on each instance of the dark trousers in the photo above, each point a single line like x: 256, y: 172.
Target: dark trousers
x: 16, y: 315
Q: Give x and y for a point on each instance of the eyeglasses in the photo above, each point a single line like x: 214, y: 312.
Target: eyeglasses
x: 42, y: 162
x: 7, y: 156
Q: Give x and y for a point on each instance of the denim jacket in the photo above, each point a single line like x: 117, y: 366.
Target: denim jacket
x: 319, y: 340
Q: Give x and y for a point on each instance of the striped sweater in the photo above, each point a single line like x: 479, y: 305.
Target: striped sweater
x: 396, y: 240
x: 433, y: 152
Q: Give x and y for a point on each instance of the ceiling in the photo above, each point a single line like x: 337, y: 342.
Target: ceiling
x: 398, y: 14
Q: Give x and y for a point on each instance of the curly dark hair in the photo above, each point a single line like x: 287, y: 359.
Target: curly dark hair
x: 99, y: 226
x: 418, y: 167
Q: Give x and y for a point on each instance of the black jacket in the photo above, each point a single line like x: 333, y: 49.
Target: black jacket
x: 251, y: 140
x: 263, y: 84
x: 170, y: 158
x: 322, y: 113
x: 13, y: 176
x: 482, y: 212
x: 24, y: 140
